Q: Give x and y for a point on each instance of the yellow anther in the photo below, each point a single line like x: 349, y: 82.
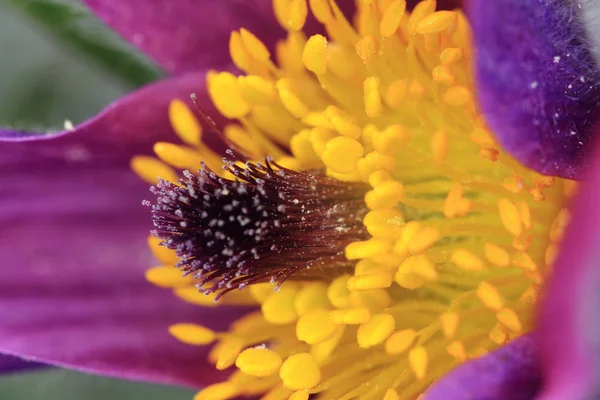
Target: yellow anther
x: 299, y: 395
x: 453, y: 201
x: 310, y: 297
x: 341, y: 154
x: 178, y: 156
x: 338, y: 293
x: 218, y: 391
x: 522, y: 242
x: 457, y: 350
x: 322, y: 351
x: 385, y: 195
x: 237, y: 51
x: 413, y: 272
x: 256, y: 89
x: 150, y: 169
x: 489, y: 296
x: 297, y: 13
x: 378, y: 177
x: 418, y: 360
x: 191, y: 295
x: 292, y: 103
x: 321, y: 10
x: 315, y: 326
x: 525, y: 213
x: 167, y: 276
x: 436, y: 22
x: 378, y: 280
x: 366, y: 249
x: 229, y: 350
x: 510, y: 319
x: 426, y: 237
x: 300, y: 372
x: 224, y: 92
x: 388, y: 141
x: 390, y: 21
x: 449, y: 321
x: 496, y: 255
x: 400, y: 341
x: 162, y: 253
x: 523, y: 260
x: 254, y: 46
x: 375, y: 161
x: 368, y: 266
x: 395, y: 93
x: 278, y: 308
x: 302, y: 148
x: 376, y: 330
x: 375, y: 299
x: 319, y: 138
x: 551, y: 254
x: 499, y: 334
x: 457, y: 96
x: 371, y: 87
x: 510, y: 216
x: 184, y: 122
x: 531, y: 295
x: 451, y: 55
x: 439, y: 145
x: 421, y: 10
x: 346, y: 127
x: 366, y: 48
x: 384, y: 223
x: 192, y: 334
x: 261, y: 291
x: 351, y: 316
x: 466, y: 260
x: 314, y: 55
x: 258, y: 361
x: 442, y: 74
x: 409, y: 232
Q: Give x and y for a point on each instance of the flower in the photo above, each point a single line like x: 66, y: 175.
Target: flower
x: 408, y: 240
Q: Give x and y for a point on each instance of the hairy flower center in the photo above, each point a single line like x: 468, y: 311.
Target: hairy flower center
x: 449, y: 258
x: 267, y: 224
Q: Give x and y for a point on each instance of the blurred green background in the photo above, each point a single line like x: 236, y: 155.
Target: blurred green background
x: 43, y: 82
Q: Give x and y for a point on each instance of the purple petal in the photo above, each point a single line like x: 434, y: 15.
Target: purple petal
x: 73, y: 244
x: 11, y: 364
x: 512, y: 372
x: 570, y: 316
x: 538, y: 84
x: 188, y: 35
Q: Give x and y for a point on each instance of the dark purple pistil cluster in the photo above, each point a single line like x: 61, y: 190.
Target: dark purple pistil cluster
x: 267, y: 224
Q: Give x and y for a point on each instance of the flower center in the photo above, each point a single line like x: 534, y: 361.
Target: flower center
x: 267, y: 224
x: 449, y: 258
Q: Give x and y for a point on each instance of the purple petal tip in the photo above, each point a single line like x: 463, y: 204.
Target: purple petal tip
x: 538, y: 83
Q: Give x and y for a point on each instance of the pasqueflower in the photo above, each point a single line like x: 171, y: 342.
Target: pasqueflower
x: 365, y: 206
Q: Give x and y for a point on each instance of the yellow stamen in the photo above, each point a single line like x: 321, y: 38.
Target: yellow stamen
x: 376, y: 330
x: 300, y: 371
x: 184, y: 122
x: 192, y: 334
x: 315, y: 54
x: 258, y: 361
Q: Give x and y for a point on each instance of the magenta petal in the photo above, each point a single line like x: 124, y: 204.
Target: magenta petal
x: 570, y: 316
x: 187, y: 35
x: 538, y: 84
x: 510, y: 373
x: 73, y: 245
